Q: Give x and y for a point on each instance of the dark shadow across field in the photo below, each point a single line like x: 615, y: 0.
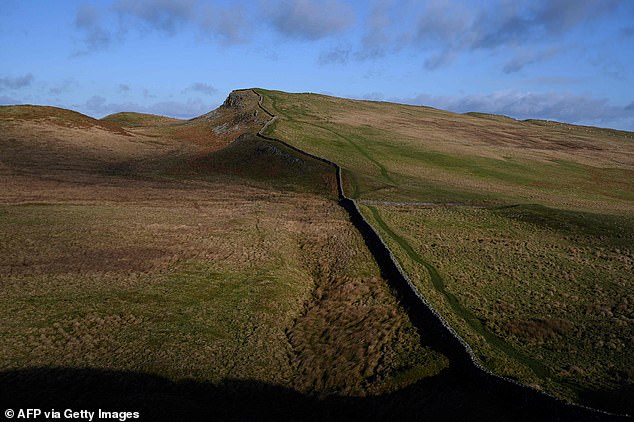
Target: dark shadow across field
x: 447, y: 396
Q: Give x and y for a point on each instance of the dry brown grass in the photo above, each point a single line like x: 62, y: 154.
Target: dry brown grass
x: 490, y: 136
x: 352, y: 334
x: 539, y: 329
x: 140, y: 119
x: 110, y: 257
x: 54, y: 116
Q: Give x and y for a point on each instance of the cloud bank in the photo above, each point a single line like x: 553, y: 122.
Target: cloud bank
x: 231, y: 23
x: 201, y: 87
x: 444, y: 30
x: 439, y: 30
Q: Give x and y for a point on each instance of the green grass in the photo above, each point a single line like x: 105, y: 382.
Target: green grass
x: 472, y: 321
x: 538, y: 281
x: 208, y: 293
x: 524, y: 289
x: 591, y: 228
x: 475, y: 159
x: 209, y: 327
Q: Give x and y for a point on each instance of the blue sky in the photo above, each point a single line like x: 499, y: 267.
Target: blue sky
x: 566, y: 60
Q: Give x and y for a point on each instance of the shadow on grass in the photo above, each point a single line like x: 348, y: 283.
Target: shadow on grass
x: 437, y: 398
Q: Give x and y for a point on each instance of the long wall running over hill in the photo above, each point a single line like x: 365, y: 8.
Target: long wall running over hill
x: 443, y: 337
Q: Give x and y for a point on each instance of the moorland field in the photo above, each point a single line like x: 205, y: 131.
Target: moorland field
x: 163, y: 250
x: 131, y: 243
x: 519, y: 232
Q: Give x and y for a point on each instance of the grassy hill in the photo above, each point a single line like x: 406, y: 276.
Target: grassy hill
x: 140, y: 119
x: 53, y: 116
x: 519, y: 232
x: 406, y: 153
x: 199, y: 259
x: 190, y: 250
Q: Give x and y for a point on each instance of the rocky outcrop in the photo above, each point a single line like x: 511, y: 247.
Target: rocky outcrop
x: 236, y: 99
x: 237, y: 114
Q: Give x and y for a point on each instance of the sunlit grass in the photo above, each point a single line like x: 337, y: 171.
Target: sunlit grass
x: 530, y: 260
x: 559, y: 294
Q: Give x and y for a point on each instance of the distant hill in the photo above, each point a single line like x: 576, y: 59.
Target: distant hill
x: 140, y: 119
x: 55, y: 116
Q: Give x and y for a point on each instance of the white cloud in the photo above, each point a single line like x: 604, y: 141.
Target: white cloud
x: 309, y: 19
x: 101, y: 27
x: 201, y: 87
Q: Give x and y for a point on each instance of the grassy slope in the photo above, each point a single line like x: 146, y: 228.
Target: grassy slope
x: 156, y: 249
x: 140, y: 119
x: 543, y: 292
x: 54, y: 116
x: 402, y: 152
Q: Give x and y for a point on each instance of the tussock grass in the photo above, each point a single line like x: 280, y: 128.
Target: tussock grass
x: 161, y: 252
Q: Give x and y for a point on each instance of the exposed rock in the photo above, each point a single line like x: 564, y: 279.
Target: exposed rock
x: 236, y: 99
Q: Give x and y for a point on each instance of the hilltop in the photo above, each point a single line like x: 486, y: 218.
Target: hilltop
x: 140, y: 119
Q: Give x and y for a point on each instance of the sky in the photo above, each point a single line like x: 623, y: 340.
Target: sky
x: 564, y: 60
